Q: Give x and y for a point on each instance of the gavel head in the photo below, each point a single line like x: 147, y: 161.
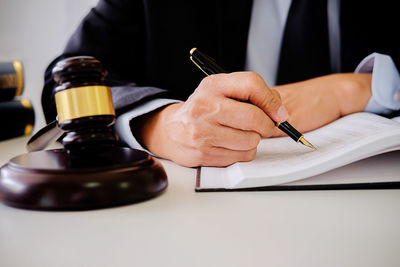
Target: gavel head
x: 84, y: 103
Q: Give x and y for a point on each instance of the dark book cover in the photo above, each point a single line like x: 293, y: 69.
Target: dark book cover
x: 17, y: 118
x: 11, y: 80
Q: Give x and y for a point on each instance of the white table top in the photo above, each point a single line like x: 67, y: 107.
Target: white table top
x: 184, y: 228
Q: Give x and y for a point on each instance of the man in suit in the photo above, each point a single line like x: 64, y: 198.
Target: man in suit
x: 162, y: 107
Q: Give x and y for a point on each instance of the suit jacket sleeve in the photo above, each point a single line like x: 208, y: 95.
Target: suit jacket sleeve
x: 114, y: 33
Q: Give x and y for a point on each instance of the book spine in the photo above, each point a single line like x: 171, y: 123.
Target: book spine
x: 11, y: 80
x: 17, y: 118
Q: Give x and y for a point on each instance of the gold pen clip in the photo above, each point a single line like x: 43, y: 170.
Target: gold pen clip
x: 194, y: 62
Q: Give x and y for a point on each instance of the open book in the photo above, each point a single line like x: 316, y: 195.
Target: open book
x: 282, y: 164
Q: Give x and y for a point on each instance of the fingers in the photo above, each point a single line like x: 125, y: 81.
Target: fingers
x: 234, y: 139
x: 195, y: 141
x: 200, y: 134
x: 215, y: 156
x: 245, y: 116
x: 247, y: 86
x: 222, y: 122
x: 227, y: 112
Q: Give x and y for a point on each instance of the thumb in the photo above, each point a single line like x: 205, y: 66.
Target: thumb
x: 249, y: 87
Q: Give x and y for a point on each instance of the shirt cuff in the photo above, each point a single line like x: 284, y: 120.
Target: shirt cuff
x: 122, y: 125
x: 385, y: 83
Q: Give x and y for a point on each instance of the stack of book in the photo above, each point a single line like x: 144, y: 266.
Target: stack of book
x: 16, y: 113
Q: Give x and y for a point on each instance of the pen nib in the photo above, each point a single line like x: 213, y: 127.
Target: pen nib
x: 306, y: 143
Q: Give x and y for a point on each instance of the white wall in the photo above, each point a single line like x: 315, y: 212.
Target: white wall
x: 36, y: 31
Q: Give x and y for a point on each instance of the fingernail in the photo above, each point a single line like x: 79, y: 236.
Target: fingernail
x: 283, y: 115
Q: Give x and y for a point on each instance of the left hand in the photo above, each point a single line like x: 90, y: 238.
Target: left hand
x: 315, y: 102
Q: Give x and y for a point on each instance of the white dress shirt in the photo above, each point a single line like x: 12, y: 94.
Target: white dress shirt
x: 263, y: 48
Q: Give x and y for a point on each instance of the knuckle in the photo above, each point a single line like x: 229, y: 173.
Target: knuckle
x: 201, y: 106
x: 276, y: 95
x: 255, y: 77
x: 255, y: 80
x: 254, y: 120
x: 196, y: 107
x: 249, y: 141
x: 207, y: 82
x: 253, y: 154
x: 253, y: 140
x: 274, y: 100
x: 249, y: 155
x: 268, y: 132
x: 249, y: 80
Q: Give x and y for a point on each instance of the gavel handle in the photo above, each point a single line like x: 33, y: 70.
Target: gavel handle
x: 44, y: 137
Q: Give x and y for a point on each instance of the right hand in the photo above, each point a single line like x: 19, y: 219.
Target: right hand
x: 220, y: 123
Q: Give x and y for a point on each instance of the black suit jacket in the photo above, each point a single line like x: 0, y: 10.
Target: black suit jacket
x: 145, y: 44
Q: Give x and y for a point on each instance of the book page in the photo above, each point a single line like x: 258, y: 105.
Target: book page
x: 397, y: 119
x: 380, y: 168
x: 281, y: 160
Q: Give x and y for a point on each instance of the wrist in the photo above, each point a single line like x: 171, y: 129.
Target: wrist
x: 353, y: 92
x: 150, y: 129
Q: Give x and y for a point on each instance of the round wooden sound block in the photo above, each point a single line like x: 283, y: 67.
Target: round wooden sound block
x: 58, y: 180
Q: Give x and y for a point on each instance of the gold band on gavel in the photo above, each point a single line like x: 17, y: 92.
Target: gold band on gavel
x: 19, y: 77
x: 84, y: 101
x: 27, y: 104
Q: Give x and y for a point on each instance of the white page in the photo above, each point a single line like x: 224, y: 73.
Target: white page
x: 380, y: 168
x: 280, y: 160
x: 397, y: 119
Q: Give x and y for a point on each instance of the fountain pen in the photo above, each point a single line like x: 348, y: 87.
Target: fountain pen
x: 207, y: 65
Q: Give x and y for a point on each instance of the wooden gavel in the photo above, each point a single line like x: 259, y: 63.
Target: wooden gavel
x: 92, y: 170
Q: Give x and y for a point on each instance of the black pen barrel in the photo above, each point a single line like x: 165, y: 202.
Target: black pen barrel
x: 206, y: 63
x: 290, y: 131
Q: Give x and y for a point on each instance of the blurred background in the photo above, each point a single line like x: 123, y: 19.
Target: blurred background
x: 35, y: 32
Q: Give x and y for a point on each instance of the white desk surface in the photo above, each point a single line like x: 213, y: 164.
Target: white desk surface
x: 184, y: 228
